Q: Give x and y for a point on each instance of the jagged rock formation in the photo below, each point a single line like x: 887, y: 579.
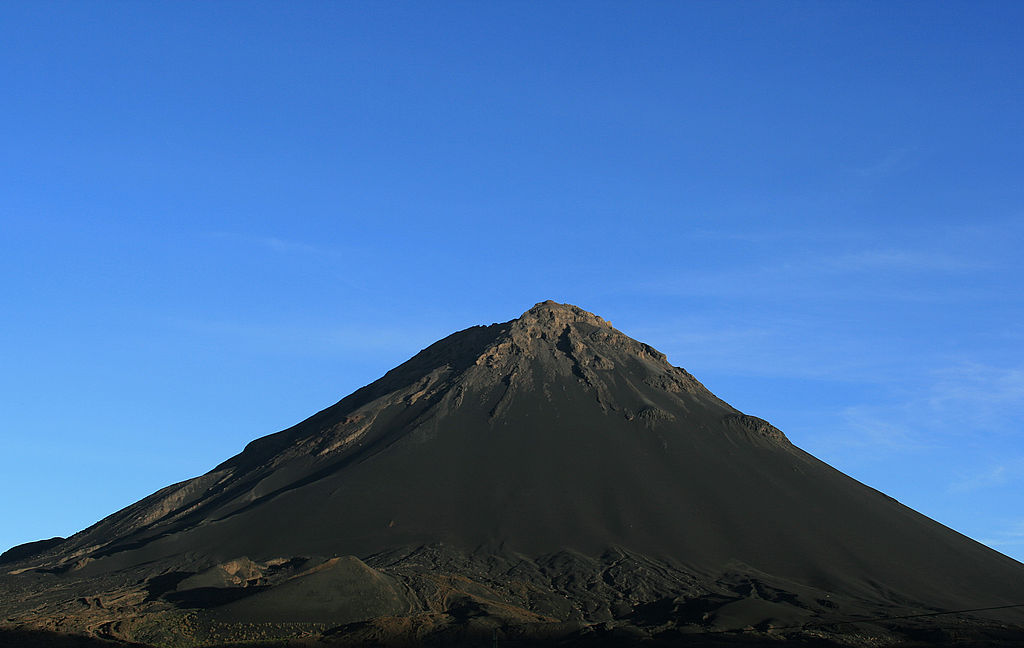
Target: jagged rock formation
x: 547, y: 476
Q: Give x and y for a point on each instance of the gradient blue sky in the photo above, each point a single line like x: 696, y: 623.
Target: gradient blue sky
x: 219, y: 218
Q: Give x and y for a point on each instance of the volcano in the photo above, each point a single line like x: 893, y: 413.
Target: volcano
x: 543, y: 479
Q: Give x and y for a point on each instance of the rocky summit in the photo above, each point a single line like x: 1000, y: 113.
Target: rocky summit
x: 547, y: 480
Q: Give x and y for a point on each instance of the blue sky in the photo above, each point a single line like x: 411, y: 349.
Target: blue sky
x: 219, y: 218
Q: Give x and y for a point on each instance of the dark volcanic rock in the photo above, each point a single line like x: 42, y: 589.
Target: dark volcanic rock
x: 548, y: 476
x: 29, y: 549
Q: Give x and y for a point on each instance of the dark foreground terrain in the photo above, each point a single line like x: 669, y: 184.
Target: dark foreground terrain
x: 545, y: 481
x: 436, y: 597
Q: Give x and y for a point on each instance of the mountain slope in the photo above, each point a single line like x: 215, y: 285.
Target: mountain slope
x: 550, y: 435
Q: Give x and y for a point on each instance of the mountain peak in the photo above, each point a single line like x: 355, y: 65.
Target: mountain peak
x: 555, y: 315
x: 576, y: 332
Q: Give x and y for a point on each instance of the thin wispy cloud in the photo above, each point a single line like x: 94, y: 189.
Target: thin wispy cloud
x: 859, y: 273
x: 343, y: 264
x: 1009, y: 537
x: 896, y: 260
x: 770, y: 346
x: 754, y: 234
x: 305, y: 339
x: 956, y: 394
x: 282, y: 245
x: 875, y: 427
x: 1006, y: 472
x: 276, y: 244
x: 976, y: 386
x: 893, y: 162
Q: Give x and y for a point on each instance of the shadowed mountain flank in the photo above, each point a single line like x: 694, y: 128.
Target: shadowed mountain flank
x: 547, y: 477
